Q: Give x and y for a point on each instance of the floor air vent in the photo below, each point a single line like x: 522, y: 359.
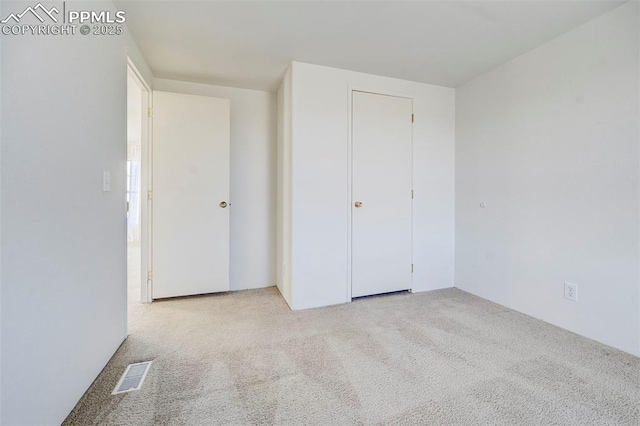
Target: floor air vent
x: 132, y: 378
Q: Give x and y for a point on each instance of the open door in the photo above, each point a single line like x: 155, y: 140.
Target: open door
x: 190, y: 196
x: 138, y: 220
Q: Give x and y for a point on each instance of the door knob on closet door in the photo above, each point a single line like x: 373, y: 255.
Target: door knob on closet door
x: 223, y: 204
x: 358, y: 204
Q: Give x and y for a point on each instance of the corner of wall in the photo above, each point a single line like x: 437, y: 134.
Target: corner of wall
x: 136, y: 58
x: 284, y: 188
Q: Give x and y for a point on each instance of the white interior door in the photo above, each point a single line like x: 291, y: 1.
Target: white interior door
x: 191, y: 137
x: 381, y: 208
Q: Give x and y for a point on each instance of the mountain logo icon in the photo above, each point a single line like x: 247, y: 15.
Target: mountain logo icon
x: 38, y: 11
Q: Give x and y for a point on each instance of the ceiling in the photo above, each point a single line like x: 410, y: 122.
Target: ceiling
x: 250, y: 44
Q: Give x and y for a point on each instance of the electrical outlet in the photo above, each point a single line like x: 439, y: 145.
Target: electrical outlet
x: 571, y: 291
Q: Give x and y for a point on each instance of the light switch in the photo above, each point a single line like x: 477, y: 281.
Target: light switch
x: 106, y: 181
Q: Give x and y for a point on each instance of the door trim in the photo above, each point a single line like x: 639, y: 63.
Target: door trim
x: 146, y: 208
x: 357, y: 88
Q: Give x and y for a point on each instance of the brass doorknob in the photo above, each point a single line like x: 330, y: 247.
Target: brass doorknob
x: 358, y: 204
x: 223, y: 204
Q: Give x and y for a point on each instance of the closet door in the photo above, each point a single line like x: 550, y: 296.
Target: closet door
x: 190, y: 231
x: 381, y: 208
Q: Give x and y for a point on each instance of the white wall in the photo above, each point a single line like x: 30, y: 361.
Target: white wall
x: 1, y: 143
x: 253, y: 180
x: 283, y: 249
x: 549, y: 141
x: 320, y: 181
x: 63, y: 240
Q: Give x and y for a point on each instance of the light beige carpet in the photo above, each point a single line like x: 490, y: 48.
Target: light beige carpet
x: 438, y: 358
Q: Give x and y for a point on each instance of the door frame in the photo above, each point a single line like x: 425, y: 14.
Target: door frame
x: 146, y: 208
x: 374, y: 91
